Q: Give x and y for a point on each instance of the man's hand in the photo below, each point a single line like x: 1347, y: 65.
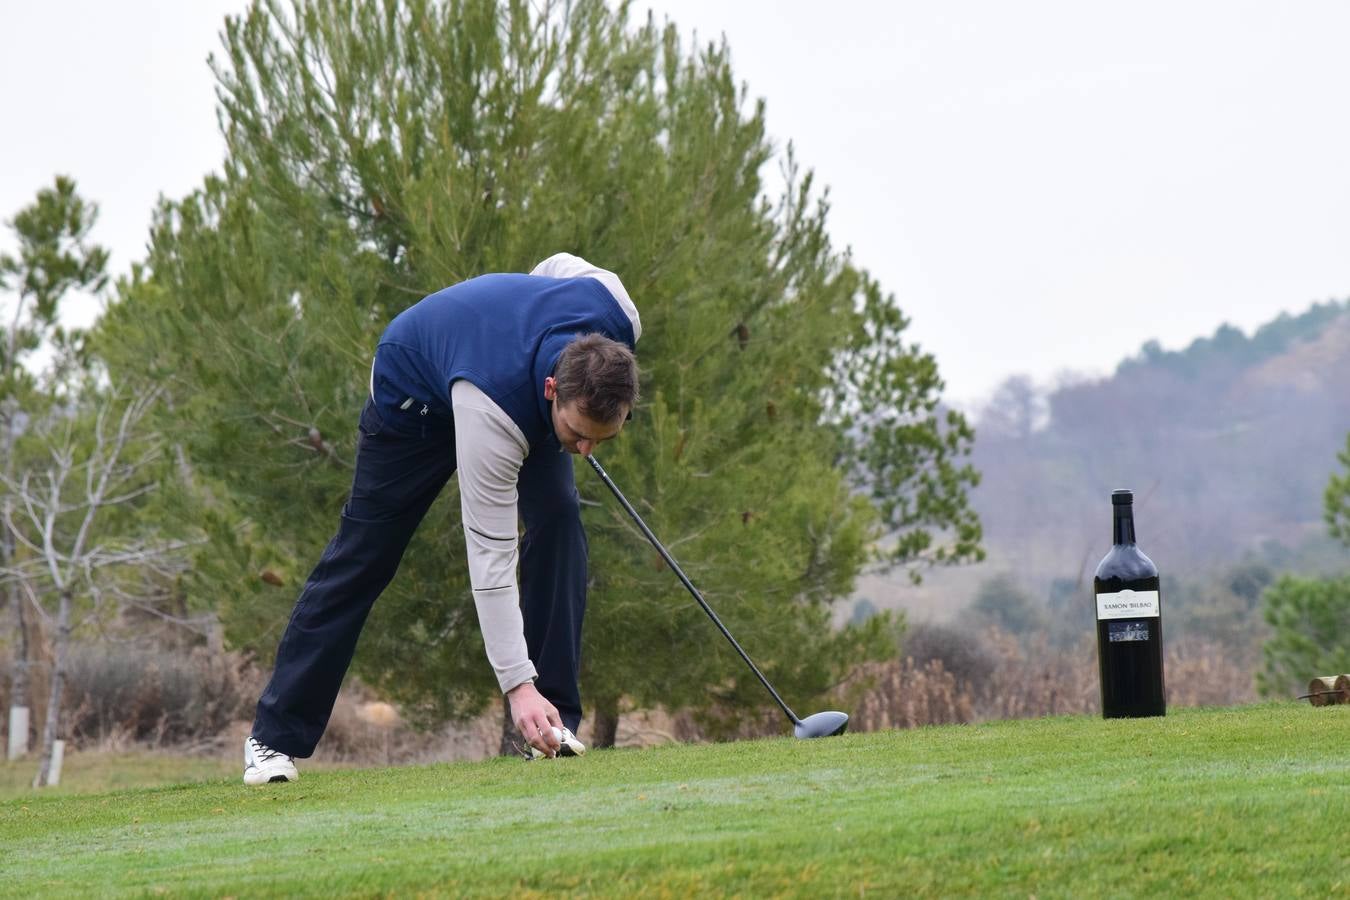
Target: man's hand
x: 534, y: 717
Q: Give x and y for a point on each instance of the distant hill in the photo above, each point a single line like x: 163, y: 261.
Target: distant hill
x: 1228, y: 445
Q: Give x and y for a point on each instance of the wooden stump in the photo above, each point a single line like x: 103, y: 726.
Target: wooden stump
x: 1322, y: 690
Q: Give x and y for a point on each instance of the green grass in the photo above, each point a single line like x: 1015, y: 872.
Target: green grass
x: 1235, y: 802
x: 83, y: 773
x: 97, y: 772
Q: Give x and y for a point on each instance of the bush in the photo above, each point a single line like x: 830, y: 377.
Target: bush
x: 1311, y: 636
x: 154, y: 695
x: 960, y: 650
x: 1207, y: 673
x: 1024, y: 677
x: 1001, y: 602
x: 904, y: 694
x: 1032, y: 678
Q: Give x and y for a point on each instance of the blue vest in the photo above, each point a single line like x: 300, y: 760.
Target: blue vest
x: 502, y: 333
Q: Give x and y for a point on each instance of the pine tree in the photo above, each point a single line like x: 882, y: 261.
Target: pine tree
x: 380, y: 151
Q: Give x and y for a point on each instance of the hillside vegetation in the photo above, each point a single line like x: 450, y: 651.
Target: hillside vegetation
x: 1213, y: 802
x: 1228, y: 445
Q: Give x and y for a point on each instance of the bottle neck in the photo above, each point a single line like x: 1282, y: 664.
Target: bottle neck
x: 1122, y: 531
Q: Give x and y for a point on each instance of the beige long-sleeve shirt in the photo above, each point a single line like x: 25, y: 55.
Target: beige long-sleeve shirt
x: 490, y: 449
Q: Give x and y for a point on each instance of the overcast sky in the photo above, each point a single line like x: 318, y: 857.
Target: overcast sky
x: 1043, y: 185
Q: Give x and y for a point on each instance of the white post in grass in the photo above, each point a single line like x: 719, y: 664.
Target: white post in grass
x: 18, y: 733
x: 58, y: 755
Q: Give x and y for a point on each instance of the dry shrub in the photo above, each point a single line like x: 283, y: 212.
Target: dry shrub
x: 119, y: 695
x: 1020, y: 678
x: 153, y: 696
x: 365, y: 730
x: 199, y: 702
x: 904, y: 694
x: 647, y: 728
x: 961, y: 650
x: 1031, y: 677
x: 724, y: 722
x: 1027, y: 677
x: 1205, y: 673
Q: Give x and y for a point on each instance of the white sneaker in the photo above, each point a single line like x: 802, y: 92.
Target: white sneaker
x: 263, y: 765
x: 570, y: 745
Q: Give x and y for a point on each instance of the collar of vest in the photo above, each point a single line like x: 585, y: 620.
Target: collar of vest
x: 614, y: 324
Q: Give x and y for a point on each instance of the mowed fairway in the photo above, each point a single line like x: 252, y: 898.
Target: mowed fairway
x: 1252, y: 801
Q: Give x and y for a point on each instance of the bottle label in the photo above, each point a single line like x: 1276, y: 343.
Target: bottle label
x: 1118, y: 632
x: 1128, y: 605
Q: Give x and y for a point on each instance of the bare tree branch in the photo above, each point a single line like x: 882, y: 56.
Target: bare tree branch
x: 34, y: 602
x: 110, y: 479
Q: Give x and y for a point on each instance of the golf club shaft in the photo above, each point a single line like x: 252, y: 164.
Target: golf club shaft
x: 670, y: 560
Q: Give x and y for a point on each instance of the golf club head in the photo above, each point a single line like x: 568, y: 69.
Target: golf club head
x: 822, y: 724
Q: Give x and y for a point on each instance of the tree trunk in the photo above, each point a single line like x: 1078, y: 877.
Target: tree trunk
x: 215, y: 635
x: 19, y: 683
x: 509, y: 733
x: 606, y: 723
x: 59, y: 663
x: 18, y: 695
x: 18, y: 690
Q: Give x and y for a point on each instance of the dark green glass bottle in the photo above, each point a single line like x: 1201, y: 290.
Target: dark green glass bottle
x: 1129, y: 622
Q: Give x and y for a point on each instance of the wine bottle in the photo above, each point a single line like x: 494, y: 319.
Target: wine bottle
x: 1129, y: 622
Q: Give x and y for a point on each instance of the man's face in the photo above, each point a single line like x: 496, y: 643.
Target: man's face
x: 576, y: 431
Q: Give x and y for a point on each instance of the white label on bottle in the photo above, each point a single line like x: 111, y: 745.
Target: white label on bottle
x: 1127, y: 605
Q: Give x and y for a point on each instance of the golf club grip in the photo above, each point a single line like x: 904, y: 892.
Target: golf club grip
x: 675, y: 567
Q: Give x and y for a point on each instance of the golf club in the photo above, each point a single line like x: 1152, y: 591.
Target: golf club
x: 822, y: 724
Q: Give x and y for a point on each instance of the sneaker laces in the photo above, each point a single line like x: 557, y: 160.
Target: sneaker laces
x: 264, y: 753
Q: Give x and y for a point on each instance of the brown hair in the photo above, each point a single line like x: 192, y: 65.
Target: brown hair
x: 600, y: 375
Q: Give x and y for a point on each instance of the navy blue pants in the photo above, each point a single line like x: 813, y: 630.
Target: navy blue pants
x: 402, y: 462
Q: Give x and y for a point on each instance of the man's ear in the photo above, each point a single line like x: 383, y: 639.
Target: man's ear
x: 550, y: 388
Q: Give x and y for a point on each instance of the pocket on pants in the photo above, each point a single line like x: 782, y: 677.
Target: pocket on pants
x: 371, y: 422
